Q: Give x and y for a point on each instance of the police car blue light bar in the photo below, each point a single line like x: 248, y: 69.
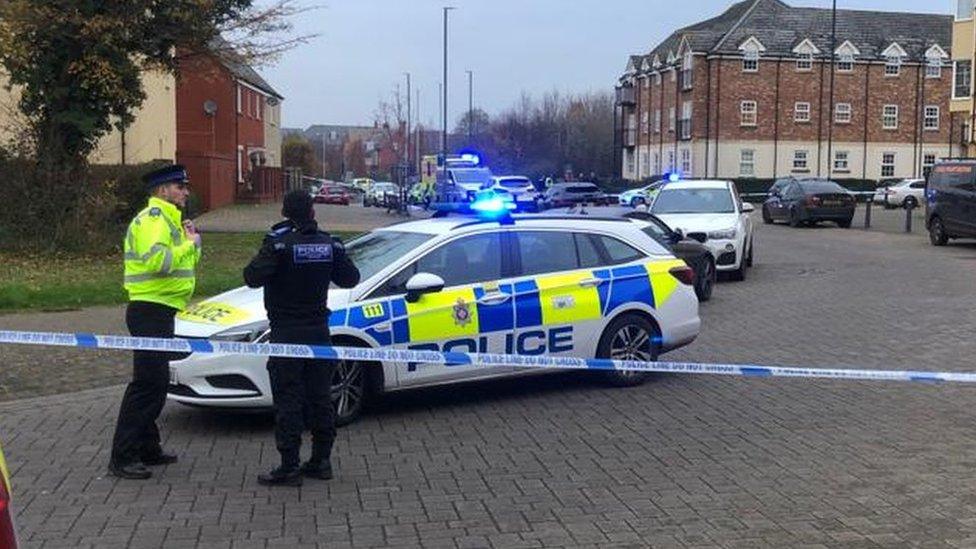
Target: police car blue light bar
x: 674, y: 176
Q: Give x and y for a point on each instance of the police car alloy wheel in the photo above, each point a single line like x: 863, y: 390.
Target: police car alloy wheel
x: 937, y: 233
x: 348, y: 391
x: 628, y: 337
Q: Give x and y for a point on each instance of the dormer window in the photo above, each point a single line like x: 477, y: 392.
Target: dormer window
x: 750, y: 61
x: 845, y: 62
x: 892, y: 65
x: 933, y: 68
x: 804, y: 62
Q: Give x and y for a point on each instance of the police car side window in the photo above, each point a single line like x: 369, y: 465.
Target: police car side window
x: 546, y: 252
x: 618, y: 252
x: 586, y: 251
x: 467, y: 260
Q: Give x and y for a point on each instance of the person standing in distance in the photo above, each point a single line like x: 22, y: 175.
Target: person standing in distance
x: 161, y: 252
x: 295, y: 265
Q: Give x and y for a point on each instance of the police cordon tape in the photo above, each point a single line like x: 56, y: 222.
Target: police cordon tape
x: 179, y: 345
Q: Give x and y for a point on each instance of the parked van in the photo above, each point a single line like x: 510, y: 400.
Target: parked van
x: 950, y: 201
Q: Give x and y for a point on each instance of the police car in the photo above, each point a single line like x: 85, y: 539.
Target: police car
x: 518, y: 284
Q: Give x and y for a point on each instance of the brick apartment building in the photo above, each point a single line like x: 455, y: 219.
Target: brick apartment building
x: 748, y: 94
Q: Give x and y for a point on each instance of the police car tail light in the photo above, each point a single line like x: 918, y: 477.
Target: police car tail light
x: 686, y: 275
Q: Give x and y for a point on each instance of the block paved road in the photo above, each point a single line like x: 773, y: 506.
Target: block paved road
x: 683, y: 461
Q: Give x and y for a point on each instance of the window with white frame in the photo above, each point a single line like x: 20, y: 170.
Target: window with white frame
x: 892, y: 65
x: 685, y: 132
x: 671, y: 119
x: 962, y: 79
x: 630, y: 161
x: 657, y: 163
x: 643, y: 163
x: 928, y: 160
x: 670, y: 161
x: 657, y: 121
x: 842, y: 161
x: 240, y: 163
x: 747, y: 162
x: 842, y: 113
x: 686, y: 162
x: 889, y: 117
x: 845, y: 62
x: 656, y: 77
x: 801, y: 111
x: 804, y: 62
x: 748, y: 113
x: 260, y: 99
x: 964, y: 10
x: 750, y: 61
x: 645, y: 120
x: 800, y: 160
x: 239, y: 92
x: 686, y: 73
x: 888, y: 164
x: 674, y: 73
x: 931, y: 118
x: 933, y: 67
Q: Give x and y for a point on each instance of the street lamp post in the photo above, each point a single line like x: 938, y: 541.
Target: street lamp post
x: 444, y: 102
x: 470, y: 105
x: 406, y: 144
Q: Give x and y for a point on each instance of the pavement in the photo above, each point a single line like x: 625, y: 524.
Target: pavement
x: 563, y: 461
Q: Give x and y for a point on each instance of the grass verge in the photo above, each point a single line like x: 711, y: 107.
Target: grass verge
x: 62, y: 282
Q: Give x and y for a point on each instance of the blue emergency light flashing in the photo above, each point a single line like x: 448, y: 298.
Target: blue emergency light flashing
x: 486, y: 205
x: 673, y: 177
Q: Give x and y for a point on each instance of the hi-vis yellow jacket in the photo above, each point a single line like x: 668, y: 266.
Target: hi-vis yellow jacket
x: 159, y: 257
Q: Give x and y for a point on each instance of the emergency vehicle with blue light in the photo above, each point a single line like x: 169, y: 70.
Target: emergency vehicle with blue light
x: 485, y: 282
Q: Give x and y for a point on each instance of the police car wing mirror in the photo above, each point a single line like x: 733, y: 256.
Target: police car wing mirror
x: 423, y: 283
x: 679, y: 235
x: 747, y: 207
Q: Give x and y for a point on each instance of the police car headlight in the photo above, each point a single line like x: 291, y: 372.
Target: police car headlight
x: 256, y: 332
x: 725, y: 234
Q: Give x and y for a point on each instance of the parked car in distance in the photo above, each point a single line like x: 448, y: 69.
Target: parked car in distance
x: 712, y: 208
x: 332, y: 195
x: 950, y: 205
x: 907, y: 193
x: 692, y: 249
x: 561, y: 195
x: 518, y: 186
x: 377, y: 192
x: 642, y: 195
x: 809, y: 201
x: 362, y: 183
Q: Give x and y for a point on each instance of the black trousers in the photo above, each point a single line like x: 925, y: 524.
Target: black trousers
x: 136, y: 433
x: 301, y: 392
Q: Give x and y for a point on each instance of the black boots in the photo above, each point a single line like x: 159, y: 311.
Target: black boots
x: 281, y: 477
x: 130, y: 471
x: 320, y: 469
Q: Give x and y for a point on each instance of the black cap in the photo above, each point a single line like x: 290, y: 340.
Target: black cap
x: 297, y: 205
x: 174, y: 173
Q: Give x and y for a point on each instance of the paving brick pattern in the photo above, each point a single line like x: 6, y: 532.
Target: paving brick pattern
x: 562, y: 461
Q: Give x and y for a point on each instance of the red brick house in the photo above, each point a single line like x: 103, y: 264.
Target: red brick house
x: 227, y: 129
x: 748, y: 94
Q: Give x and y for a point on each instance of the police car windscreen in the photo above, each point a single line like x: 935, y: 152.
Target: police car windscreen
x: 678, y: 201
x: 376, y: 250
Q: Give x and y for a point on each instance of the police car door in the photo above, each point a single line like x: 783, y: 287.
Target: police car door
x: 557, y: 295
x: 470, y: 314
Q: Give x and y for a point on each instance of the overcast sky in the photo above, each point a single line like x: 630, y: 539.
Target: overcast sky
x: 365, y: 46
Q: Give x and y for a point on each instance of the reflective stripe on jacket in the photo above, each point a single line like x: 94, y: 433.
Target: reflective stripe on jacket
x: 159, y: 258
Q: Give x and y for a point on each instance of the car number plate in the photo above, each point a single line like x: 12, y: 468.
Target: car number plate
x: 833, y: 203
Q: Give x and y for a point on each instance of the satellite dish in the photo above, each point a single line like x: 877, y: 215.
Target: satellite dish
x: 210, y: 107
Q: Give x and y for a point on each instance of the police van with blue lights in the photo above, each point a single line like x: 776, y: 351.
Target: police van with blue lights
x: 484, y: 282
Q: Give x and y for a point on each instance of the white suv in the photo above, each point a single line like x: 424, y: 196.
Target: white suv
x: 712, y: 212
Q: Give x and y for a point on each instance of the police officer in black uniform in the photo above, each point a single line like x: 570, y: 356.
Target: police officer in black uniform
x: 295, y: 265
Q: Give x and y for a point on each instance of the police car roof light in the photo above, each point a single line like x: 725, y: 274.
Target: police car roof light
x: 674, y: 176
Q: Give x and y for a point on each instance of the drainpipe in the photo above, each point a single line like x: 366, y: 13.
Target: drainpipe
x: 867, y: 109
x: 779, y: 61
x: 708, y: 113
x: 718, y: 113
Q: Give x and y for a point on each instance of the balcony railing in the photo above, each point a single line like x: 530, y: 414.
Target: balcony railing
x: 626, y: 95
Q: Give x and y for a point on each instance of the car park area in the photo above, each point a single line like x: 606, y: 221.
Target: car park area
x: 681, y: 461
